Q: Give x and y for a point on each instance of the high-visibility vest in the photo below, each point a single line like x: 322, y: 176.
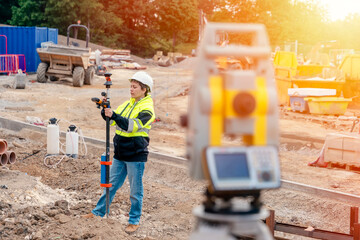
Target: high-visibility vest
x: 130, y: 110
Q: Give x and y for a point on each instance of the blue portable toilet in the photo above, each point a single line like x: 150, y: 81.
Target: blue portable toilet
x: 25, y: 40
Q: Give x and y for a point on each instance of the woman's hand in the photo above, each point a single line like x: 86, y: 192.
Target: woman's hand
x: 108, y: 112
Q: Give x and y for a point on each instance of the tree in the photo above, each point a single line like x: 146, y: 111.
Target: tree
x: 177, y: 20
x: 285, y: 20
x: 207, y: 6
x: 234, y: 11
x: 102, y: 25
x: 28, y: 13
x: 60, y: 14
x: 5, y: 6
x: 346, y: 31
x: 309, y: 22
x: 137, y: 30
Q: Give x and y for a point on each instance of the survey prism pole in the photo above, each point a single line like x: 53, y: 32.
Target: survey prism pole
x: 105, y: 163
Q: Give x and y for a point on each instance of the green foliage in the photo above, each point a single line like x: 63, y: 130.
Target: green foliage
x: 207, y: 6
x: 346, y: 32
x: 5, y: 10
x: 104, y: 25
x: 60, y: 14
x: 186, y: 48
x: 136, y: 32
x: 144, y: 26
x: 177, y: 20
x: 28, y: 13
x: 285, y: 20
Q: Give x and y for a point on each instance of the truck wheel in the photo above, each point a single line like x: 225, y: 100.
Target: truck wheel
x: 41, y: 72
x: 78, y: 77
x: 89, y: 76
x: 53, y: 78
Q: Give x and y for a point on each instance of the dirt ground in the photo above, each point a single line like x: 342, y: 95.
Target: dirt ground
x: 37, y: 202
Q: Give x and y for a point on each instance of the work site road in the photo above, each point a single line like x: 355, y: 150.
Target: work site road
x: 170, y: 194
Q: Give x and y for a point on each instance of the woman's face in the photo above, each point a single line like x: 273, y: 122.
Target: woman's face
x: 136, y: 91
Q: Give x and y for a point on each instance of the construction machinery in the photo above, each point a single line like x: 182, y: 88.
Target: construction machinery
x: 337, y: 70
x: 66, y: 61
x: 345, y: 78
x: 237, y: 103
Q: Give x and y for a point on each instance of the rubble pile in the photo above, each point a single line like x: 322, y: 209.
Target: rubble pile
x: 115, y: 59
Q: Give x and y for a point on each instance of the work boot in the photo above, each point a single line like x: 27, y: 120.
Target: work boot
x: 87, y: 216
x: 131, y: 228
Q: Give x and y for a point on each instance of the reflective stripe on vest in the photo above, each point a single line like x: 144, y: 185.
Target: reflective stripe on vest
x: 131, y: 127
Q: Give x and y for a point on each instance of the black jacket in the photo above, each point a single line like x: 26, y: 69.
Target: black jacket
x: 134, y: 148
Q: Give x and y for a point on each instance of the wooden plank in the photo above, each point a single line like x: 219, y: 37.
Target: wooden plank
x: 270, y: 222
x: 354, y: 218
x: 348, y: 167
x: 316, y: 233
x: 356, y: 231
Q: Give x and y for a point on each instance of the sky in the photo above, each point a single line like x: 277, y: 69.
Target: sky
x: 338, y: 9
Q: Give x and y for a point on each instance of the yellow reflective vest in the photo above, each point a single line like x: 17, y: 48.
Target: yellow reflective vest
x: 133, y: 123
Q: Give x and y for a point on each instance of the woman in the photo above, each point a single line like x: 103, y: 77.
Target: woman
x: 132, y: 119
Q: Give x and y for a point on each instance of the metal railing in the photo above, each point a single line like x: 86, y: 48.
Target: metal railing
x: 11, y: 63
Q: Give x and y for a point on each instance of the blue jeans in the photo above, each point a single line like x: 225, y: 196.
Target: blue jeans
x: 118, y: 172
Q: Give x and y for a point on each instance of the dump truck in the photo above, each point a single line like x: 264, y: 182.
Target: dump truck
x: 59, y: 61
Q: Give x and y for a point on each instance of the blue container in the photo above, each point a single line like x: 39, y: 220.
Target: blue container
x: 25, y: 40
x: 52, y: 35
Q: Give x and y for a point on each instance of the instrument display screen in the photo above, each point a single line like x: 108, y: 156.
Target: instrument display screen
x: 242, y: 168
x: 231, y: 166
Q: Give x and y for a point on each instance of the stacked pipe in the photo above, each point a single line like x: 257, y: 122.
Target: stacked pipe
x: 6, y: 157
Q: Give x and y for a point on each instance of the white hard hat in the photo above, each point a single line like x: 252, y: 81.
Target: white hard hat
x: 144, y: 78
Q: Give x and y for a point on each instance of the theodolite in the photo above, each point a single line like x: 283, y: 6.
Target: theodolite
x: 233, y: 104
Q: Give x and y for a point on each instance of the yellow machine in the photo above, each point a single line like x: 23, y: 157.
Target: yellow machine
x: 237, y: 103
x: 345, y: 78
